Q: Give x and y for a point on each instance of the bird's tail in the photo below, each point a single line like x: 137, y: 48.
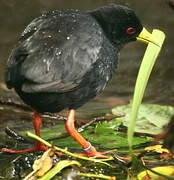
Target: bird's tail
x: 13, y: 77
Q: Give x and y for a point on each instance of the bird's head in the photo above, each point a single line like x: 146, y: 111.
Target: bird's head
x: 121, y: 25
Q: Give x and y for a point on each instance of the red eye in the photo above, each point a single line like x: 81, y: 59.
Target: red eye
x: 131, y: 30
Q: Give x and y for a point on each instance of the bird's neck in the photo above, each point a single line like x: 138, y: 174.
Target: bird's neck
x: 102, y: 20
x: 107, y: 26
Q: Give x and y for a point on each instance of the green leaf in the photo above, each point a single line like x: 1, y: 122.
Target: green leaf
x: 103, y: 135
x: 147, y: 64
x: 151, y: 117
x: 106, y: 135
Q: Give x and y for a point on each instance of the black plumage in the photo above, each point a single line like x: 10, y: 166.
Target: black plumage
x: 65, y: 58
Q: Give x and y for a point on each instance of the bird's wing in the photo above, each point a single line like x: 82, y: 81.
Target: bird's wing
x: 57, y: 58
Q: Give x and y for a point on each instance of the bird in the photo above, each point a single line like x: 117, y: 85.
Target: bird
x: 64, y: 58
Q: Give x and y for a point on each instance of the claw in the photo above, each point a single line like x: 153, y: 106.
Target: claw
x: 93, y: 153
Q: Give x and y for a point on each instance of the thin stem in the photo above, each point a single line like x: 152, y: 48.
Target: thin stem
x: 69, y: 153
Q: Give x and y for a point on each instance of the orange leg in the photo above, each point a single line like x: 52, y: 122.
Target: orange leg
x: 90, y: 151
x: 37, y: 123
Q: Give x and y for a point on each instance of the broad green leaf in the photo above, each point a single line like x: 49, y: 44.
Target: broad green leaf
x: 103, y: 135
x: 106, y: 135
x: 151, y: 117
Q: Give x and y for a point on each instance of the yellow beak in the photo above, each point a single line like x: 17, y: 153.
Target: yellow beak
x: 147, y: 37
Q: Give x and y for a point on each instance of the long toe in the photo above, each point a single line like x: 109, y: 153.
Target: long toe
x: 38, y: 147
x: 93, y: 153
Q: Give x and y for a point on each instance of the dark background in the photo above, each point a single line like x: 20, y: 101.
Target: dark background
x: 16, y: 14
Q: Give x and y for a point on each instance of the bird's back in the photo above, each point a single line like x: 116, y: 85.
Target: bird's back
x: 58, y: 53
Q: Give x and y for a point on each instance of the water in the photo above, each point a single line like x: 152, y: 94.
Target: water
x: 16, y: 14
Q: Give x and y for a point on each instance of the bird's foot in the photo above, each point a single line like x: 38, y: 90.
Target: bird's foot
x: 38, y: 147
x: 93, y: 153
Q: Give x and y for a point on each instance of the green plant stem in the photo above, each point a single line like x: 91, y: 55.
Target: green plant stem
x: 147, y: 64
x: 101, y: 176
x: 69, y: 153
